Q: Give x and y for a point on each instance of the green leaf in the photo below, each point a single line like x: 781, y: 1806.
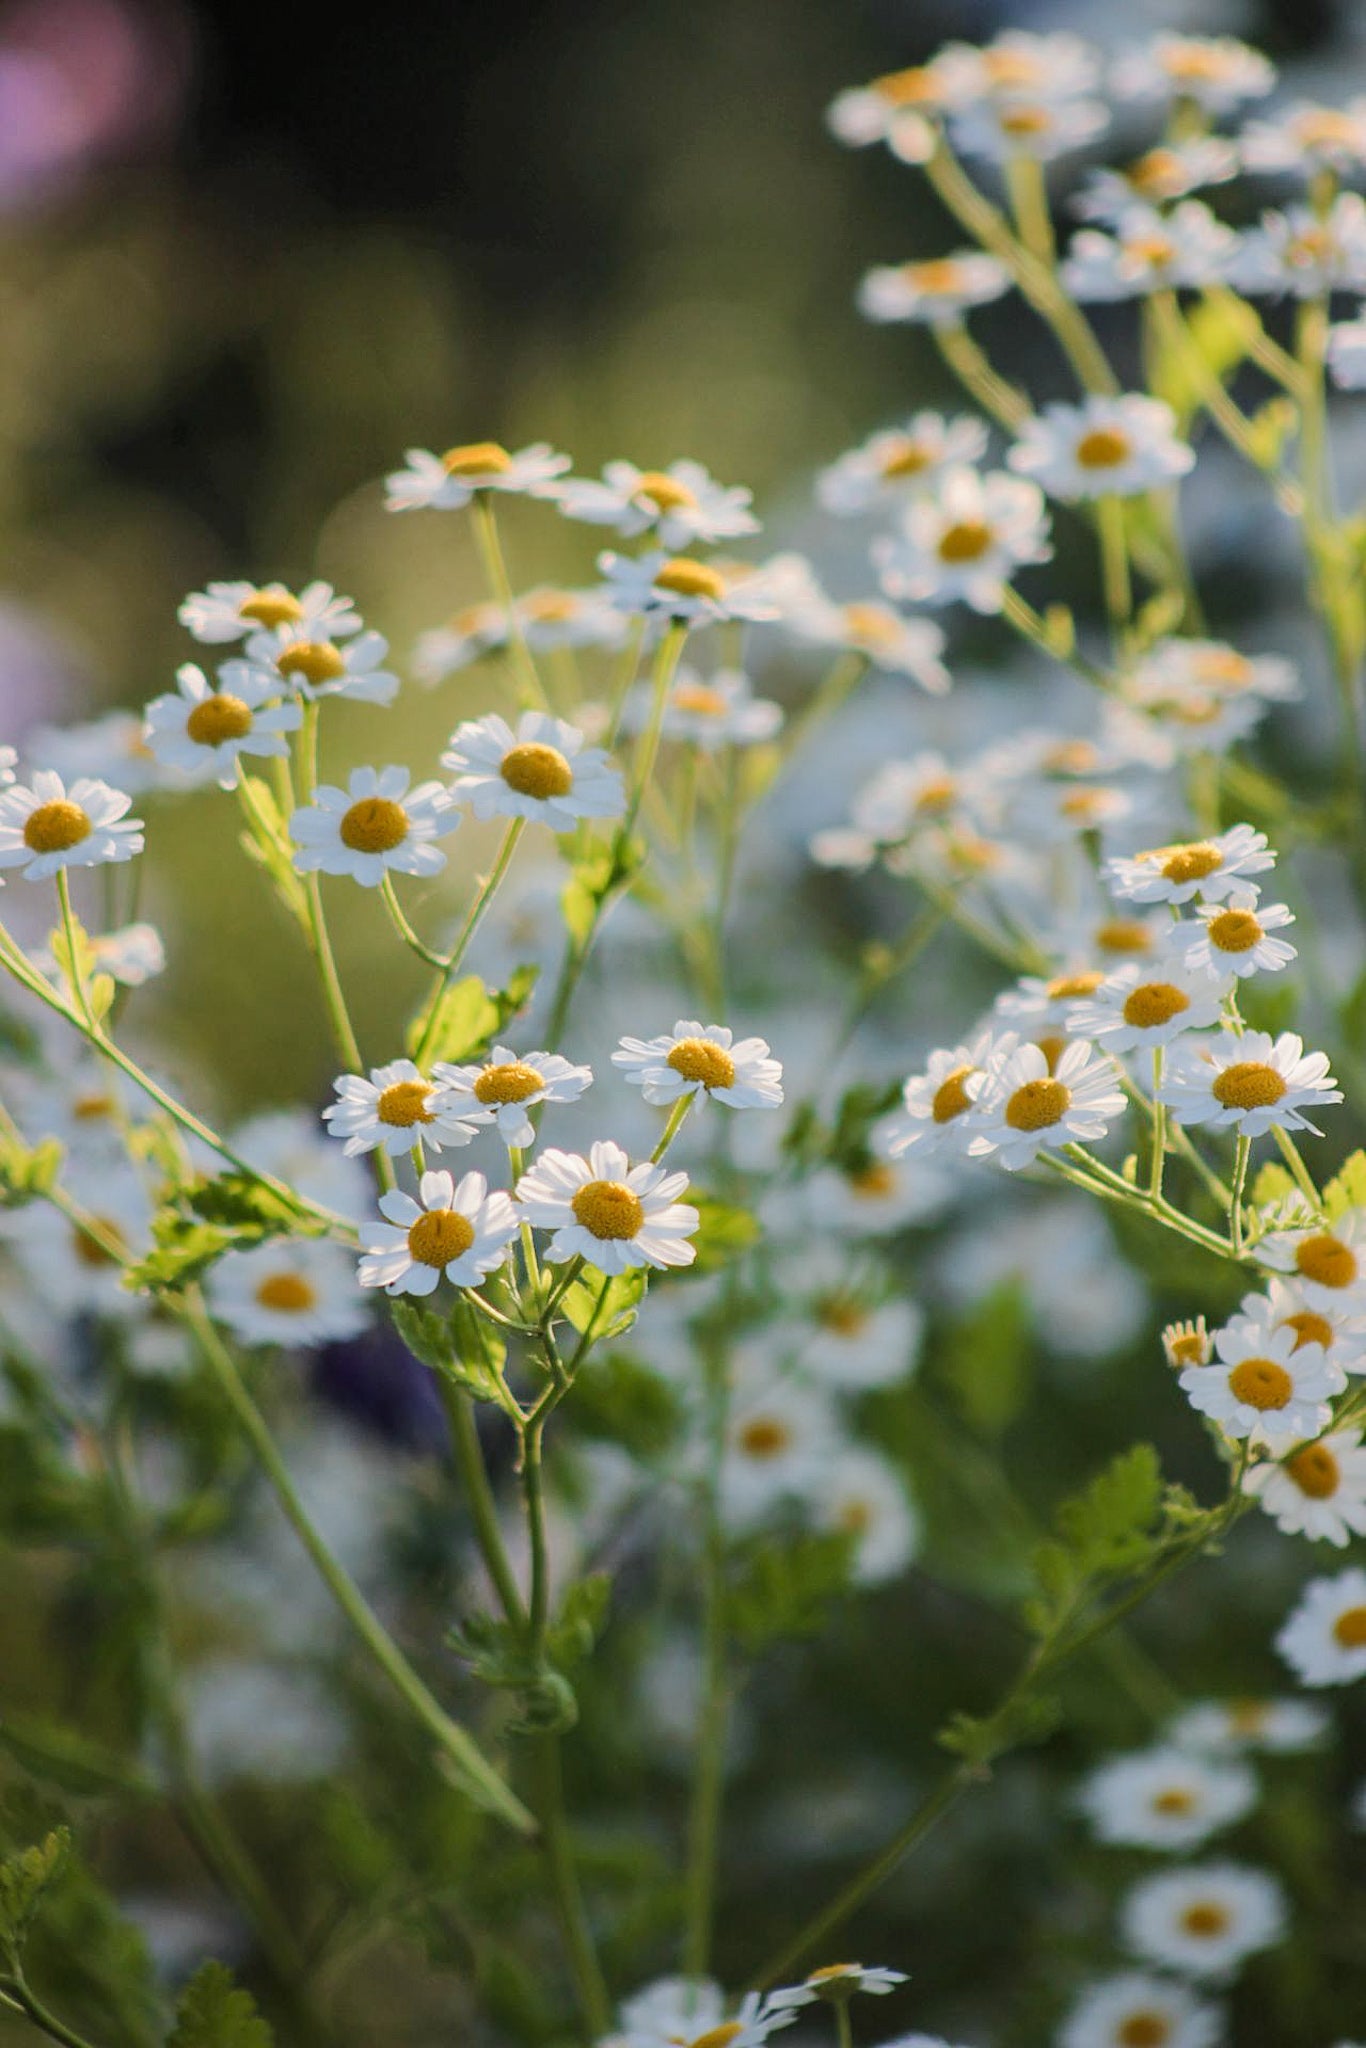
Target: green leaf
x: 1269, y: 429
x: 618, y: 1397
x: 606, y: 1305
x: 450, y: 1346
x: 785, y: 1585
x: 1273, y: 1184
x: 183, y: 1250
x: 988, y: 1359
x: 238, y: 1202
x: 579, y: 1623
x: 723, y: 1234
x: 1347, y: 1189
x: 58, y: 1755
x: 1108, y: 1524
x: 469, y: 1016
x: 267, y: 844
x: 24, y: 1879
x: 214, y: 2013
x: 1161, y: 615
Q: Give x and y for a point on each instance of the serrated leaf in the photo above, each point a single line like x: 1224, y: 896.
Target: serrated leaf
x: 1107, y: 1526
x: 1347, y: 1189
x: 784, y: 1586
x: 606, y: 1305
x: 465, y: 1019
x: 238, y: 1202
x: 214, y: 2013
x: 24, y: 1878
x: 450, y: 1350
x: 1272, y: 1184
x: 579, y: 1622
x: 183, y: 1250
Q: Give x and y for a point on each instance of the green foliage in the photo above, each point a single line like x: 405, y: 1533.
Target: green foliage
x: 227, y: 1212
x: 500, y: 1653
x: 607, y: 1306
x: 987, y: 1361
x: 1347, y: 1189
x: 459, y: 1346
x: 1272, y: 1184
x: 724, y: 1233
x: 266, y: 843
x: 1104, y: 1531
x: 605, y: 867
x: 783, y: 1586
x: 214, y: 2013
x: 469, y: 1016
x: 1222, y: 330
x: 60, y: 1756
x: 618, y: 1397
x: 1270, y: 1006
x: 979, y: 1739
x: 27, y: 1171
x: 25, y: 1878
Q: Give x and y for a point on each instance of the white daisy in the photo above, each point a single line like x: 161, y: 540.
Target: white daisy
x: 698, y: 1059
x: 1248, y: 1083
x: 110, y: 749
x: 44, y: 825
x: 1160, y: 176
x: 457, y: 1230
x: 1324, y: 1639
x: 1328, y: 1264
x: 70, y: 1267
x: 444, y: 483
x: 854, y: 1339
x: 375, y: 824
x: 552, y: 617
x: 672, y: 2008
x: 859, y: 1494
x: 607, y: 1211
x: 1212, y: 667
x: 1203, y: 1921
x: 1304, y: 253
x: 937, y: 1106
x: 837, y: 1981
x: 1347, y: 354
x: 1319, y: 1491
x: 1271, y: 1389
x: 681, y: 505
x: 541, y: 771
x: 466, y: 637
x: 677, y: 587
x: 1165, y: 1799
x: 1232, y: 937
x: 1017, y: 64
x: 1339, y: 1328
x: 290, y: 1291
x: 889, y: 641
x: 1037, y: 129
x: 1307, y: 137
x: 1104, y: 447
x: 897, y: 109
x: 875, y: 1198
x: 1212, y: 868
x: 719, y: 710
x: 1156, y: 727
x: 1217, y: 72
x: 1232, y: 1727
x: 1052, y: 813
x: 134, y: 954
x: 1148, y: 252
x: 201, y: 730
x: 231, y: 611
x: 937, y: 290
x: 899, y: 461
x: 1144, y: 1006
x: 393, y: 1109
x: 1024, y: 1108
x: 503, y: 1087
x: 1129, y: 2010
x: 780, y: 1439
x: 289, y: 663
x: 965, y: 539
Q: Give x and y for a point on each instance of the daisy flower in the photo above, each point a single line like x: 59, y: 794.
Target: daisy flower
x: 1187, y: 1343
x: 110, y: 749
x: 201, y: 730
x: 542, y: 771
x: 287, y: 662
x: 719, y: 710
x: 1165, y: 1799
x: 607, y: 1211
x: 1232, y: 937
x: 1136, y: 1008
x: 502, y: 1088
x: 859, y: 1494
x: 552, y: 617
x: 1104, y: 447
x: 965, y: 539
x: 1308, y: 138
x: 1212, y: 667
x: 1231, y: 1727
x: 1052, y: 813
x: 290, y: 1291
x: 67, y: 1265
x: 898, y: 109
x: 1347, y: 354
x: 1212, y: 868
x: 1319, y: 1491
x: 1340, y: 1328
x: 375, y: 824
x: 677, y: 587
x: 1305, y: 253
x: 1135, y: 2008
x: 1040, y: 129
x: 1160, y: 176
x: 466, y: 637
x: 1024, y: 1108
x: 232, y: 611
x: 672, y: 2008
x: 899, y: 461
x: 780, y: 1441
x: 134, y: 954
x: 1248, y: 1083
x: 836, y: 1982
x: 445, y: 483
x: 681, y: 505
x: 45, y: 826
x: 1324, y: 1640
x: 456, y: 1230
x: 1017, y: 63
x: 898, y: 645
x: 936, y: 291
x: 875, y: 1197
x: 393, y: 1109
x: 937, y: 1105
x: 1329, y: 1265
x: 1217, y: 72
x: 1203, y: 1921
x: 697, y: 1059
x: 855, y: 1338
x: 1271, y: 1389
x: 1148, y: 252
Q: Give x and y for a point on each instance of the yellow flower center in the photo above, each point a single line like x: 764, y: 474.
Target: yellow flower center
x: 56, y: 828
x: 218, y: 718
x: 1036, y: 1105
x: 951, y: 1097
x: 916, y: 86
x: 88, y: 1248
x: 1154, y: 1003
x: 937, y: 794
x: 405, y: 1104
x: 829, y: 1970
x: 698, y: 699
x: 1222, y: 668
x: 1124, y: 935
x: 1146, y: 2029
x: 551, y: 607
x: 1234, y: 931
x: 287, y: 1293
x: 1188, y: 1349
x: 1248, y: 1084
x: 608, y: 1210
x: 872, y: 623
x: 1315, y: 1471
x: 1103, y: 448
x: 1322, y: 127
x: 940, y: 276
x: 272, y: 605
x: 1261, y: 1384
x: 853, y: 1519
x: 511, y: 1082
x: 374, y: 825
x: 477, y: 458
x: 1350, y: 1628
x: 1310, y: 246
x: 718, y: 2037
x: 874, y: 1182
x: 1176, y: 1800
x: 1200, y: 63
x: 685, y: 578
x: 838, y: 1312
x: 1066, y: 985
x: 92, y: 1108
x: 1083, y: 805
x: 439, y: 1237
x: 537, y: 771
x: 1158, y: 175
x: 764, y: 1437
x: 906, y: 458
x: 1327, y: 1261
x: 1026, y: 121
x: 1009, y: 70
x: 699, y: 1059
x: 965, y: 541
x: 1070, y: 757
x: 1154, y: 250
x: 1308, y: 1328
x: 317, y: 661
x: 1206, y: 1919
x: 665, y: 493
x: 1183, y: 864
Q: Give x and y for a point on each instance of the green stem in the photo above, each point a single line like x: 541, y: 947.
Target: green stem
x: 389, y: 897
x: 1002, y: 401
x: 1114, y: 556
x: 451, y: 965
x: 1159, y: 1153
x: 334, y: 999
x: 74, y: 974
x: 495, y: 568
x: 672, y: 1128
x: 1304, y: 1180
x: 16, y: 1992
x: 1242, y: 1153
x: 474, y: 1478
x: 844, y: 2024
x: 595, y: 2006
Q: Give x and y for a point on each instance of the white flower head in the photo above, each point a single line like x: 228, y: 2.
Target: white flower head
x: 542, y: 770
x: 1026, y: 1108
x: 835, y: 1982
x: 1040, y: 129
x: 1233, y: 1727
x: 456, y: 1230
x: 503, y: 1087
x: 232, y: 611
x: 1307, y: 137
x: 1171, y: 171
x: 1324, y: 1639
x: 899, y: 461
x: 1338, y: 1324
x: 394, y: 1108
x: 445, y: 483
x: 965, y: 539
x: 709, y: 712
x: 1148, y: 251
x: 672, y: 2008
x: 466, y: 637
x: 1165, y: 1799
x: 898, y: 108
x: 200, y: 731
x: 1137, y: 2007
x: 681, y: 505
x: 298, y: 1290
x: 45, y: 826
x: 1249, y: 1084
x: 780, y: 1439
x: 938, y: 1111
x: 679, y: 587
x: 71, y: 1267
x: 375, y: 824
x: 607, y: 1211
x: 1304, y: 253
x: 859, y: 1494
x: 287, y: 663
x: 1104, y: 447
x: 1319, y: 1491
x: 1203, y: 1921
x: 1217, y: 72
x: 1143, y: 1007
x: 1017, y: 64
x: 702, y: 1059
x: 1328, y: 1264
x: 1212, y: 868
x: 1271, y: 1388
x: 1233, y: 937
x: 553, y: 617
x: 875, y: 629
x: 936, y: 291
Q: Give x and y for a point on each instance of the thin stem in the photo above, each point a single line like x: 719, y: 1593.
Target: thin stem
x: 1003, y: 401
x: 334, y: 999
x: 1304, y: 1180
x: 451, y: 965
x: 495, y: 568
x: 595, y: 2006
x: 1159, y: 1130
x: 389, y: 898
x: 844, y: 2024
x: 1242, y: 1152
x: 16, y: 1992
x: 672, y: 1128
x: 74, y: 974
x: 474, y: 1478
x: 643, y: 767
x: 1029, y: 203
x: 1114, y: 557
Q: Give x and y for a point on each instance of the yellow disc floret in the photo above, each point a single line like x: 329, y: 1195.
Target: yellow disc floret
x: 511, y: 1082
x: 1326, y: 1260
x: 272, y: 605
x: 1261, y: 1384
x: 951, y: 1097
x: 287, y: 1294
x: 1248, y: 1084
x: 664, y: 492
x: 477, y: 458
x: 1234, y: 931
x: 608, y: 1210
x: 440, y: 1236
x: 314, y: 661
x: 1103, y: 448
x: 1154, y: 1003
x: 966, y: 541
x: 1206, y: 1919
x: 1036, y: 1105
x: 536, y: 771
x: 218, y: 718
x: 701, y: 1059
x: 405, y: 1104
x: 1350, y: 1628
x: 764, y: 1437
x: 683, y: 577
x: 56, y: 827
x: 1315, y: 1471
x: 374, y: 825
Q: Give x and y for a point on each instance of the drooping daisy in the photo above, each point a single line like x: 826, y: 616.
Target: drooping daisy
x: 394, y: 1108
x: 288, y: 662
x: 542, y: 770
x: 936, y: 291
x: 1248, y: 1083
x: 1217, y: 72
x: 1212, y: 868
x: 45, y: 826
x: 503, y: 1087
x: 1160, y: 176
x: 1324, y: 1639
x: 1271, y: 1389
x: 201, y: 730
x: 607, y: 1211
x: 1233, y: 937
x: 678, y: 587
x: 1328, y: 1262
x: 1233, y: 1727
x: 1203, y: 1921
x: 1141, y: 1007
x: 682, y: 504
x: 375, y: 824
x: 1165, y: 1799
x: 718, y: 710
x: 1148, y: 252
x: 1039, y: 129
x: 859, y: 1494
x: 457, y: 1230
x: 466, y: 637
x: 445, y: 483
x: 898, y: 109
x: 868, y: 626
x: 1319, y: 1491
x: 1104, y: 447
x: 834, y: 1982
x: 937, y: 1105
x: 670, y: 2009
x: 1304, y: 253
x: 698, y: 1059
x: 1133, y: 2009
x: 232, y: 611
x: 290, y: 1291
x: 1307, y: 137
x: 1025, y: 1108
x: 899, y: 461
x: 965, y: 539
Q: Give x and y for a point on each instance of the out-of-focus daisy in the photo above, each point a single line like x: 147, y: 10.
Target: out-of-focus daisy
x: 670, y: 2008
x: 1051, y: 813
x: 937, y: 1105
x: 457, y: 1230
x: 897, y: 108
x: 1212, y: 667
x: 134, y: 954
x: 552, y: 617
x: 1160, y: 176
x: 1149, y: 252
x: 445, y: 483
x: 502, y: 1088
x: 702, y: 1059
x: 937, y: 291
x: 1308, y: 138
x: 607, y: 1211
x: 1217, y: 72
x: 1136, y: 1008
x: 713, y: 711
x: 1347, y: 354
x: 852, y: 1335
x: 288, y: 1144
x: 1136, y: 2008
x: 1324, y: 1639
x: 44, y: 826
x: 466, y: 637
x: 899, y: 461
x: 1104, y: 447
x: 1024, y: 1108
x: 232, y: 611
x: 73, y: 1267
x: 1248, y: 1084
x: 875, y: 1197
x: 112, y: 748
x: 542, y: 770
x: 965, y: 539
x: 290, y: 664
x: 834, y: 1982
x: 1212, y: 868
x: 1271, y: 1389
x: 678, y: 587
x: 1165, y: 1799
x: 681, y: 505
x: 1156, y: 727
x: 1319, y: 1491
x: 392, y: 1109
x: 780, y: 1439
x: 1233, y: 937
x: 1232, y: 1727
x: 1040, y: 129
x: 201, y: 731
x: 901, y: 646
x: 289, y: 1291
x: 1017, y: 64
x: 1202, y: 1922
x: 1328, y: 1264
x: 859, y: 1494
x: 376, y: 823
x: 1305, y: 253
